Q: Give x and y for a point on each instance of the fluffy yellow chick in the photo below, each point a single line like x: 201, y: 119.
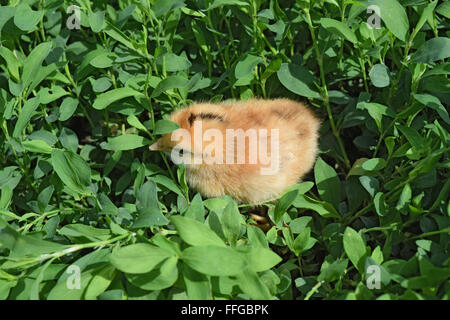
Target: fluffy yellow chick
x: 249, y: 150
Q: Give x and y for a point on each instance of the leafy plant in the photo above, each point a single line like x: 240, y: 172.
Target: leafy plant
x: 88, y: 212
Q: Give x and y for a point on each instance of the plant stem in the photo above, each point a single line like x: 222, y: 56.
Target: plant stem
x: 324, y: 91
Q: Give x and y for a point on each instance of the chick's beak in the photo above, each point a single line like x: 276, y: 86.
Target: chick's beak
x: 155, y: 146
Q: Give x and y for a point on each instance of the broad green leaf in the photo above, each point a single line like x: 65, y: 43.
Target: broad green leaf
x: 12, y: 63
x: 303, y: 242
x: 379, y: 75
x: 105, y: 99
x: 327, y: 182
x: 247, y: 66
x: 284, y: 203
x: 100, y: 282
x: 38, y: 146
x: 251, y: 284
x: 197, y: 284
x: 256, y: 237
x: 434, y: 103
x: 168, y: 83
x: 96, y: 20
x: 323, y: 208
x: 195, y: 233
x: 432, y: 50
x: 81, y: 230
x: 221, y: 3
x: 231, y: 225
x: 214, y: 260
x: 335, y: 26
x: 196, y: 209
x: 25, y: 18
x: 126, y: 142
x: 33, y: 63
x: 391, y: 12
x: 355, y: 248
x: 165, y: 126
x: 374, y: 164
x: 413, y: 137
x: 173, y: 62
x: 380, y: 204
x: 25, y: 116
x: 157, y: 279
x: 371, y: 184
x: 298, y: 80
x: 147, y: 205
x: 162, y: 7
x: 68, y: 107
x: 138, y: 258
x: 74, y: 172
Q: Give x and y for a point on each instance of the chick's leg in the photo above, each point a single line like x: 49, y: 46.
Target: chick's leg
x: 259, y: 215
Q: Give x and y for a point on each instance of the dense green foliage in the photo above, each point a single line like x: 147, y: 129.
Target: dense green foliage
x: 81, y: 191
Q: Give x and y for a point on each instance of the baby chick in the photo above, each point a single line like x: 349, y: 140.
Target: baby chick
x: 249, y: 150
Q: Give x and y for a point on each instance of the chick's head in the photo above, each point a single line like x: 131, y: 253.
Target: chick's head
x: 188, y: 140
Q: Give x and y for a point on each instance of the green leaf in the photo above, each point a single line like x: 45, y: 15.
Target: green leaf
x: 327, y: 182
x: 38, y: 146
x: 33, y: 63
x: 105, y: 99
x: 250, y: 283
x: 168, y: 83
x: 165, y: 126
x: 391, y: 12
x: 231, y: 225
x: 432, y: 50
x: 284, y: 203
x: 433, y: 103
x: 298, y: 80
x: 126, y: 142
x: 25, y: 18
x: 413, y: 137
x: 81, y: 230
x: 380, y: 204
x: 221, y: 3
x: 138, y: 258
x: 157, y: 279
x: 214, y: 260
x: 355, y: 248
x: 325, y: 209
x: 196, y: 209
x: 195, y: 233
x: 303, y: 242
x: 374, y: 164
x: 246, y: 66
x: 24, y: 117
x: 197, y: 284
x: 100, y: 282
x: 173, y: 62
x: 68, y: 107
x: 379, y: 75
x: 371, y: 184
x: 12, y: 63
x: 335, y: 26
x: 72, y: 170
x: 97, y: 21
x: 377, y: 111
x: 147, y: 205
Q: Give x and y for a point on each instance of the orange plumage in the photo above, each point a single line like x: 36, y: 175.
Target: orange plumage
x: 289, y: 159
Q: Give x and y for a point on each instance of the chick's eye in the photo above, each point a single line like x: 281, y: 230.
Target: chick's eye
x: 181, y: 152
